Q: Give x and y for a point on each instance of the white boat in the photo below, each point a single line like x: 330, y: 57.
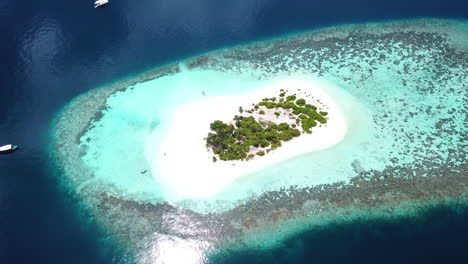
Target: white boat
x: 99, y: 3
x: 8, y: 148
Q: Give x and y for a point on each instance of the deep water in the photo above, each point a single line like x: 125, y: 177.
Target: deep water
x: 422, y: 239
x: 53, y: 50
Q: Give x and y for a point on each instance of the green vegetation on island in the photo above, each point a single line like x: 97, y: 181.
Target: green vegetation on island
x: 246, y: 136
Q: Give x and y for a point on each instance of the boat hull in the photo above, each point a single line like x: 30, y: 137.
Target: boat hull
x: 8, y: 149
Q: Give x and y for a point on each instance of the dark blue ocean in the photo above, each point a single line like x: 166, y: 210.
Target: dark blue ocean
x: 51, y: 51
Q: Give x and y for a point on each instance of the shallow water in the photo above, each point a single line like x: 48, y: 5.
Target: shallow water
x: 55, y: 50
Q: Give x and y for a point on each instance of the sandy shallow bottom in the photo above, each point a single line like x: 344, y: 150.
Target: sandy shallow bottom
x: 401, y: 89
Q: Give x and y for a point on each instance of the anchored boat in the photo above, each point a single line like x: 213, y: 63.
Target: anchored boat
x: 99, y: 3
x: 8, y: 148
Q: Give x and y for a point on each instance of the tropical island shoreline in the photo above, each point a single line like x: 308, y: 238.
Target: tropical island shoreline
x: 185, y: 142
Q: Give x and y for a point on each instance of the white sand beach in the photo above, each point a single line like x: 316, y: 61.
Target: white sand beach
x: 184, y: 164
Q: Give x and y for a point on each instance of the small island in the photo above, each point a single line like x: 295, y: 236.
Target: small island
x: 238, y: 134
x: 263, y: 128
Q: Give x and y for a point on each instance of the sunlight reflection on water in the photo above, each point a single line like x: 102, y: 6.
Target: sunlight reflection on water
x: 166, y: 249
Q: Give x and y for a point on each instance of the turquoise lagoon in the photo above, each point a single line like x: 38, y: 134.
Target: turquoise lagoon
x: 402, y: 86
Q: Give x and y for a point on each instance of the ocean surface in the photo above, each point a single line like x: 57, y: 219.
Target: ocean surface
x: 52, y: 51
